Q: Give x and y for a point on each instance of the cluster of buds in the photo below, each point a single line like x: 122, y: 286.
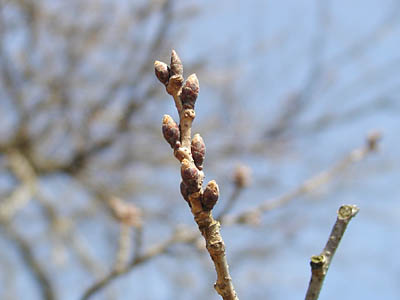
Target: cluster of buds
x: 190, y: 152
x: 172, y: 77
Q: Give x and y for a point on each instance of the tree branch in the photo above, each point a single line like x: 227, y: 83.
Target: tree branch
x: 177, y: 237
x: 320, y: 263
x: 252, y: 216
x: 39, y: 273
x: 191, y: 152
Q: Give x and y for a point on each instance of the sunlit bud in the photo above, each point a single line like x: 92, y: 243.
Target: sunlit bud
x: 162, y: 71
x: 176, y: 64
x: 198, y: 150
x: 242, y: 176
x: 170, y: 130
x: 210, y: 195
x: 190, y: 91
x: 125, y: 212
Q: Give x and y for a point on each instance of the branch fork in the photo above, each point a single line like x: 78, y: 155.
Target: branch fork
x: 191, y: 153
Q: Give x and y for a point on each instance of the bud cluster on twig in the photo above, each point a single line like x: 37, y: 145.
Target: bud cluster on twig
x: 191, y: 153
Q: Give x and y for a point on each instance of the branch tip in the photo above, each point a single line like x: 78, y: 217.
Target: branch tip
x: 190, y: 91
x: 347, y: 211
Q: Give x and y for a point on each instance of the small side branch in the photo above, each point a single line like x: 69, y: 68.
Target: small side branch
x: 34, y: 266
x: 320, y: 263
x: 156, y: 250
x: 252, y: 216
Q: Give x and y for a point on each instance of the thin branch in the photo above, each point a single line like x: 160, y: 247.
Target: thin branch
x: 252, y: 216
x: 178, y: 237
x: 39, y: 273
x: 320, y: 263
x: 241, y: 179
x: 230, y: 203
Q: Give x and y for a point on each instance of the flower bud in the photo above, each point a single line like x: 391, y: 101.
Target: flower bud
x: 170, y: 130
x: 242, y: 176
x: 162, y: 71
x: 190, y: 175
x: 198, y: 151
x: 190, y: 91
x: 210, y: 195
x: 185, y: 192
x: 176, y: 64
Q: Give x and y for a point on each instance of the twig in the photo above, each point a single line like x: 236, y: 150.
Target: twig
x: 252, y: 216
x: 230, y: 203
x: 320, y: 263
x: 177, y: 237
x: 33, y: 264
x: 190, y: 153
x: 241, y: 179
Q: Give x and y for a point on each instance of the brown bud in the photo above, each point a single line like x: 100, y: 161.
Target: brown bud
x: 373, y: 139
x: 176, y: 64
x: 190, y: 91
x: 185, y: 192
x: 210, y: 195
x: 198, y: 151
x: 170, y: 130
x: 162, y: 71
x: 190, y: 175
x: 125, y: 212
x: 242, y: 176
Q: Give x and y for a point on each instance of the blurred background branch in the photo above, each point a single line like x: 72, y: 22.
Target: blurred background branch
x: 287, y: 89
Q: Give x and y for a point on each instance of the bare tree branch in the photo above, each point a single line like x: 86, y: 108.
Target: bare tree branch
x: 178, y: 237
x: 320, y: 263
x: 36, y: 268
x: 252, y: 216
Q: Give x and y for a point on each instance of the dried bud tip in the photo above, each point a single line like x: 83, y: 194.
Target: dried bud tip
x: 162, y: 71
x: 373, y: 139
x: 210, y: 195
x: 170, y: 130
x: 242, y: 176
x: 198, y: 150
x: 176, y: 64
x: 190, y: 91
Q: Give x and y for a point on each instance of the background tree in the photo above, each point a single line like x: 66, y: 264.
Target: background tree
x: 89, y: 190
